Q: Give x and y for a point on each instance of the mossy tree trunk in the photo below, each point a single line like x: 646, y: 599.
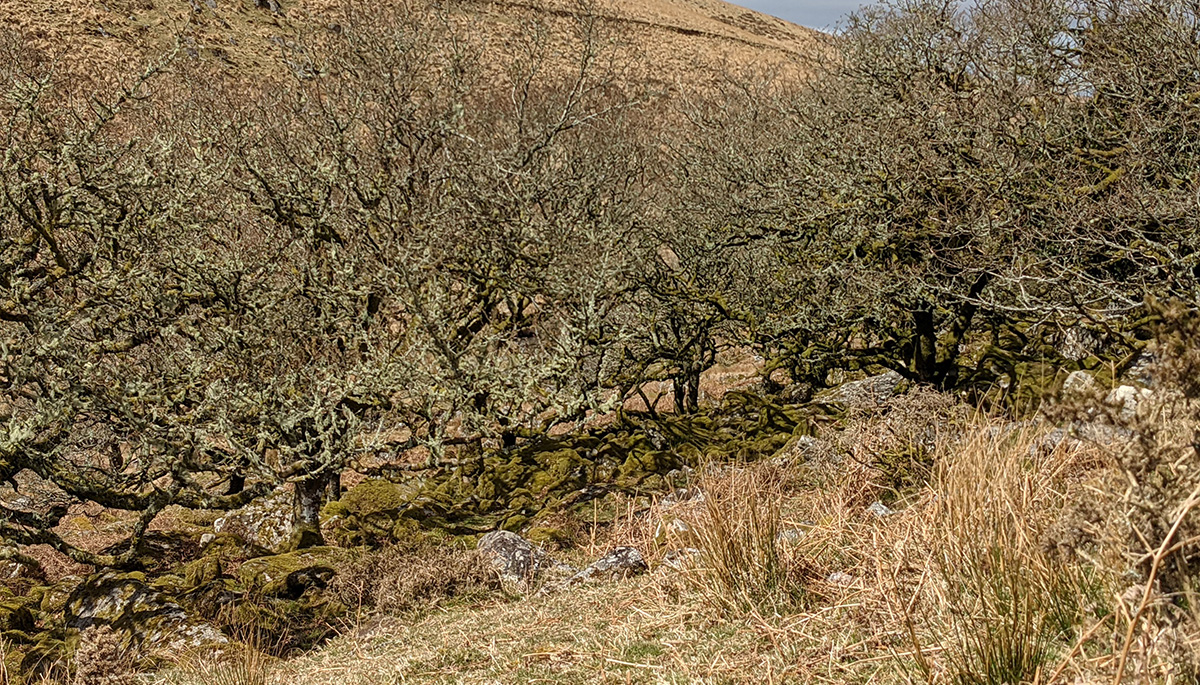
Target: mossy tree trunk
x: 307, y: 510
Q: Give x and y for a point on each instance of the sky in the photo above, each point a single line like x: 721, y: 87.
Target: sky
x: 818, y: 14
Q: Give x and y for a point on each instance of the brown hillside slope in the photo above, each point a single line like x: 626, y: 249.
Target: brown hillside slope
x: 681, y: 39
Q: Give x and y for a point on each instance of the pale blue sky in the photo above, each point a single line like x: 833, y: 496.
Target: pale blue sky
x: 819, y: 14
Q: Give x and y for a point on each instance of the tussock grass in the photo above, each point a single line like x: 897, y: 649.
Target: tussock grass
x: 743, y: 567
x: 1003, y: 606
x: 243, y: 662
x: 395, y: 580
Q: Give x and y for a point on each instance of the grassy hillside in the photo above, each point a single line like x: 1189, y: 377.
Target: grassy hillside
x: 681, y: 38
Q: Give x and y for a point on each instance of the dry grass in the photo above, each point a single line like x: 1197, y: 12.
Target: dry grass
x: 744, y: 568
x: 1000, y: 606
x: 396, y: 581
x: 242, y: 663
x: 682, y: 38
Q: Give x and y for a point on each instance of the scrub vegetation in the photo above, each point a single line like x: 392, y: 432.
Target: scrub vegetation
x: 411, y: 284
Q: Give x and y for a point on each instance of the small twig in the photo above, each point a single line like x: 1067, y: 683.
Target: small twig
x: 1075, y: 650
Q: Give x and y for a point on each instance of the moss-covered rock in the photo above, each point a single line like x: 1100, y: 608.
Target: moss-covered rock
x: 510, y: 489
x: 17, y: 571
x: 29, y: 657
x: 201, y: 571
x: 548, y: 536
x: 229, y: 547
x: 867, y: 394
x: 159, y: 551
x: 520, y: 565
x: 291, y: 574
x: 53, y: 598
x: 371, y: 512
x: 265, y: 523
x: 147, y: 619
x: 16, y: 614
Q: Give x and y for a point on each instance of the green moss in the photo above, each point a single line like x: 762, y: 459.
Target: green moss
x: 556, y: 470
x: 229, y: 547
x: 642, y: 650
x: 904, y: 470
x: 305, y: 537
x: 376, y: 496
x: 169, y: 584
x: 46, y: 649
x: 547, y: 535
x: 201, y: 571
x: 511, y: 488
x: 370, y: 512
x: 289, y: 574
x: 54, y: 598
x: 514, y: 522
x: 15, y: 614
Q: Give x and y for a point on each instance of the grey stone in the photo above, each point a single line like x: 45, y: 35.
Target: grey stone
x: 1078, y: 343
x: 1126, y: 399
x: 805, y: 448
x: 1052, y: 440
x: 880, y: 509
x: 620, y: 563
x: 1102, y: 434
x: 147, y: 618
x: 1080, y: 383
x: 265, y: 523
x: 1006, y: 430
x: 520, y: 564
x: 680, y: 495
x: 683, y: 558
x: 840, y: 578
x: 666, y: 530
x: 1142, y: 369
x: 867, y: 393
x: 791, y: 536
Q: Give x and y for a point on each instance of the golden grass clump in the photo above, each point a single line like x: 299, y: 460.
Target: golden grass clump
x: 742, y: 567
x: 1001, y: 604
x: 396, y: 580
x: 241, y: 663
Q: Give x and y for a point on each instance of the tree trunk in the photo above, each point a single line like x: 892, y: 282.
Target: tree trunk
x: 693, y: 399
x: 924, y: 346
x: 237, y: 483
x: 951, y: 343
x: 306, y: 531
x: 333, y: 490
